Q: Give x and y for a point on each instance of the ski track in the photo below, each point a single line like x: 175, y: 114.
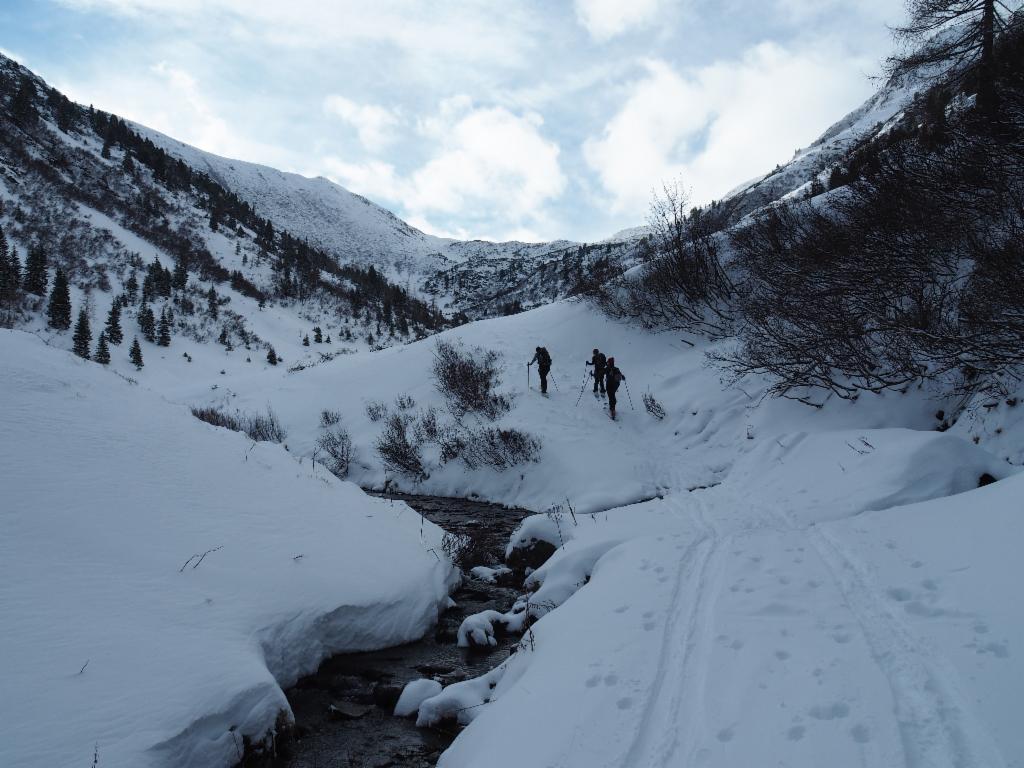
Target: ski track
x: 936, y: 722
x: 684, y: 646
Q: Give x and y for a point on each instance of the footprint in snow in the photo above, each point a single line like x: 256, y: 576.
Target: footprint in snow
x: 860, y: 733
x: 593, y: 680
x: 725, y: 734
x: 782, y: 655
x: 836, y: 711
x: 796, y: 733
x: 899, y: 594
x: 611, y: 680
x: 624, y: 703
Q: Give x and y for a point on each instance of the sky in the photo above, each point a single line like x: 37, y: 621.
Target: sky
x: 531, y: 120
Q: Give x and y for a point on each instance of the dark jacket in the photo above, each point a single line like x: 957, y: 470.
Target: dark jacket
x: 613, y: 377
x: 542, y: 359
x: 599, y: 361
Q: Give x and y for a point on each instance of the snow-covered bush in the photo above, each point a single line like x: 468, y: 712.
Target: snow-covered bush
x: 329, y: 418
x: 337, y: 444
x: 468, y: 380
x: 405, y: 402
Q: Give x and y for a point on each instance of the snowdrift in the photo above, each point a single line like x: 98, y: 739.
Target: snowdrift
x: 161, y: 580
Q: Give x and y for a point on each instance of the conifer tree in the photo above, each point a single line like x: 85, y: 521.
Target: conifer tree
x: 23, y: 105
x: 58, y: 311
x: 212, y: 302
x: 305, y: 340
x: 83, y: 335
x: 132, y: 288
x: 147, y: 323
x: 35, y: 271
x: 164, y: 338
x: 113, y: 331
x: 180, y: 278
x: 272, y: 356
x: 135, y: 355
x: 318, y: 335
x: 15, y: 269
x: 102, y: 354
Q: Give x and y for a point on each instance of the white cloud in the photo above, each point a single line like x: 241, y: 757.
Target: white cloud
x: 375, y: 124
x: 804, y: 11
x: 429, y: 34
x: 170, y: 99
x: 721, y: 124
x: 488, y: 164
x: 605, y: 19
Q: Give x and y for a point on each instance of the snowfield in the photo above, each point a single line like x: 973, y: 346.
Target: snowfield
x: 815, y: 586
x: 748, y: 581
x: 114, y: 638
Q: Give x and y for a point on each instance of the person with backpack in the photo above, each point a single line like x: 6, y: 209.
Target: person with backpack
x: 613, y: 378
x: 543, y: 361
x: 599, y: 361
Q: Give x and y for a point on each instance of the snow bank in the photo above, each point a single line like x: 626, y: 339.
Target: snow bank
x: 162, y: 579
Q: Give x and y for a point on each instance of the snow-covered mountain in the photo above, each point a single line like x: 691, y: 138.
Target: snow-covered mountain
x: 811, y: 165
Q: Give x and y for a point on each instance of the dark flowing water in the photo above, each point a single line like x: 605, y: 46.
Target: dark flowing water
x: 343, y: 712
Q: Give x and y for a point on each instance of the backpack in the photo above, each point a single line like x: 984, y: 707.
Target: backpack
x: 614, y: 377
x: 543, y: 358
x: 602, y: 360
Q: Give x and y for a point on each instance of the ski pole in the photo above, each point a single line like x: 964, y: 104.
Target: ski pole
x: 527, y: 375
x: 628, y: 394
x: 554, y: 381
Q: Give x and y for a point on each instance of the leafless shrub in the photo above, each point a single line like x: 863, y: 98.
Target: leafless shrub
x: 468, y: 380
x: 497, y: 448
x: 681, y: 284
x: 259, y: 427
x: 337, y: 444
x: 405, y: 402
x: 653, y: 406
x: 265, y: 427
x: 911, y: 274
x: 428, y: 428
x: 376, y: 410
x: 467, y: 552
x: 399, y: 452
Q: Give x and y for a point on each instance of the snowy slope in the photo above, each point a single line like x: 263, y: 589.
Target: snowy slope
x: 813, y: 586
x: 114, y: 638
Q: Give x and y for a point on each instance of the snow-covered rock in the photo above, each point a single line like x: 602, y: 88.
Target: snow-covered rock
x: 414, y: 694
